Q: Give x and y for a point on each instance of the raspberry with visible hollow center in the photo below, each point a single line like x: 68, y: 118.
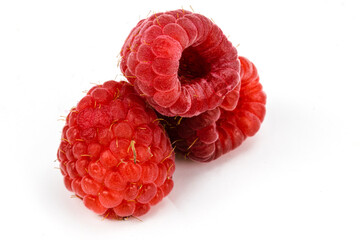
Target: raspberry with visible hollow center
x: 113, y: 154
x: 213, y: 133
x: 180, y: 62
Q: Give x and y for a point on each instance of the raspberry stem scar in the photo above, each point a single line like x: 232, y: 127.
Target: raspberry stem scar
x: 174, y: 63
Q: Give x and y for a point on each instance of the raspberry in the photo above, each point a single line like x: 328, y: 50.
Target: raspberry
x: 211, y: 134
x: 180, y: 62
x: 113, y: 154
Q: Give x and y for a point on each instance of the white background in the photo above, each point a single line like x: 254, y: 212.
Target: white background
x: 298, y: 178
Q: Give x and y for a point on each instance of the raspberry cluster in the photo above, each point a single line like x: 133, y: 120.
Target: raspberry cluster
x: 113, y: 153
x: 211, y: 134
x: 181, y: 62
x: 187, y: 84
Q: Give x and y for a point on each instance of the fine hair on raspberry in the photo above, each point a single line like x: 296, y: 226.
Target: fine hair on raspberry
x: 113, y: 154
x: 180, y: 62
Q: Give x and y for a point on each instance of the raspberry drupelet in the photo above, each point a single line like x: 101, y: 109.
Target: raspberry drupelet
x: 206, y: 137
x: 113, y: 154
x: 180, y: 62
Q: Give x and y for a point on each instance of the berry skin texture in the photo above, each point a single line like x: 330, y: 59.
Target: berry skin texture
x: 180, y: 62
x: 113, y: 154
x: 208, y: 136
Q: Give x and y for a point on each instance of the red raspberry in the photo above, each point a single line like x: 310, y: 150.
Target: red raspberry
x: 113, y: 153
x: 181, y: 62
x: 206, y: 137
